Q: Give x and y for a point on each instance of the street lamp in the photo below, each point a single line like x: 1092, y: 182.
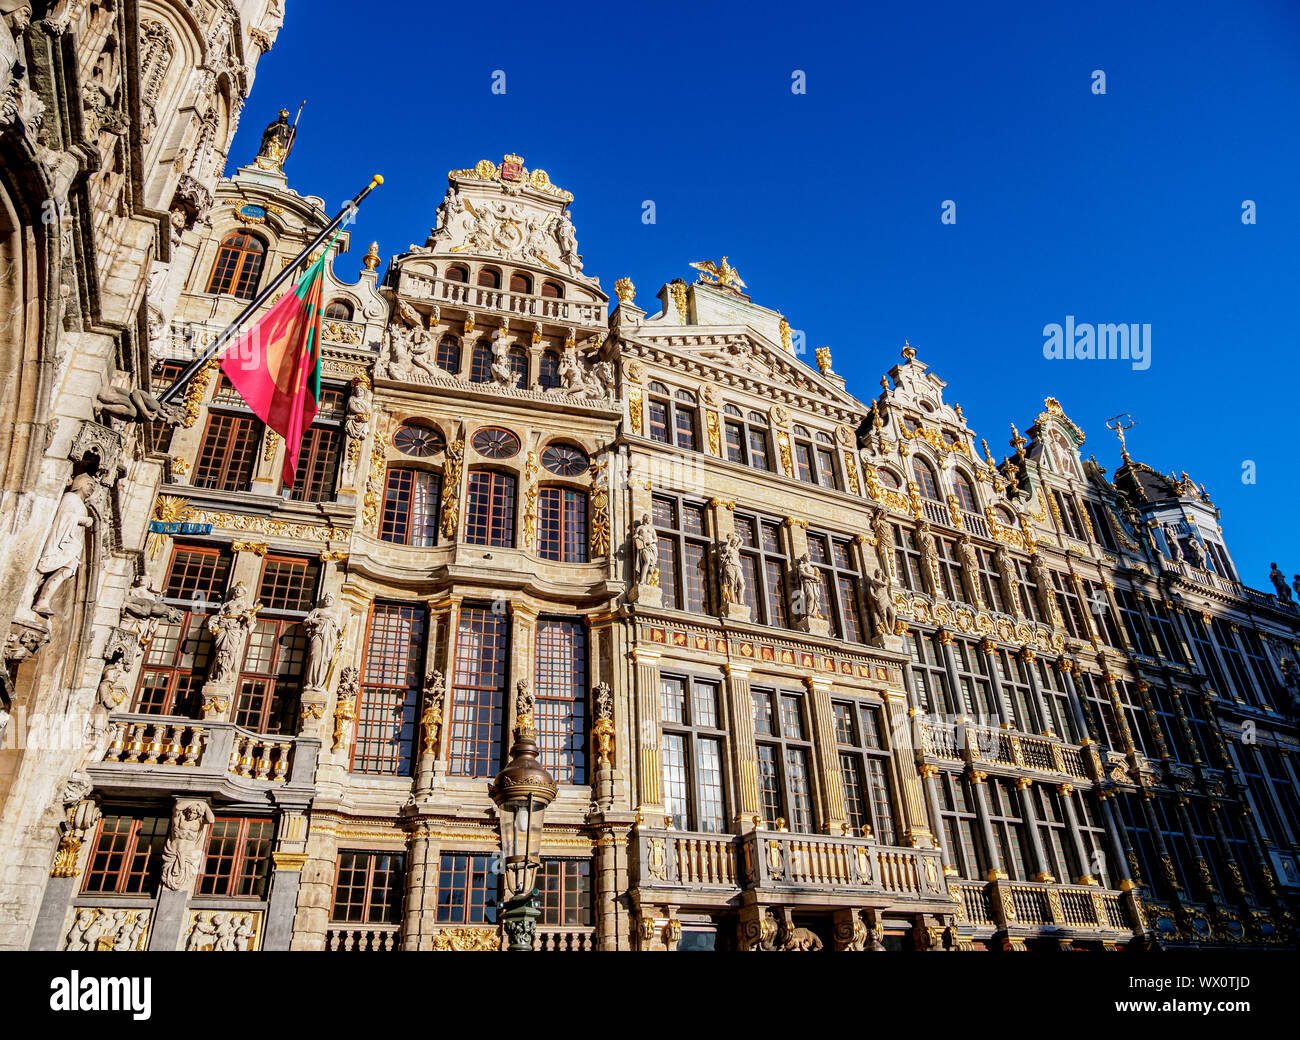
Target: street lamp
x: 522, y: 791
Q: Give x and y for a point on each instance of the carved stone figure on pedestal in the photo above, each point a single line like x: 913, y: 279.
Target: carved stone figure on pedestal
x: 1279, y: 582
x: 1171, y: 540
x: 1006, y: 577
x: 323, y: 627
x: 1043, y: 579
x: 731, y: 574
x: 568, y: 243
x: 275, y: 141
x: 884, y: 615
x: 360, y: 407
x: 66, y: 543
x: 1195, y: 553
x: 228, y: 627
x: 884, y: 536
x: 810, y: 589
x: 435, y: 694
x: 182, y: 856
x: 970, y: 568
x: 645, y: 543
x: 929, y: 558
x: 525, y: 702
x: 345, y: 707
x: 502, y: 373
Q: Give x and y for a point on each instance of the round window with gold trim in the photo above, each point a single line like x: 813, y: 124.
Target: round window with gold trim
x: 422, y: 442
x: 564, y: 460
x: 492, y: 442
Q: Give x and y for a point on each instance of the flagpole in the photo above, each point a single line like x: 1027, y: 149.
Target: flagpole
x: 192, y: 369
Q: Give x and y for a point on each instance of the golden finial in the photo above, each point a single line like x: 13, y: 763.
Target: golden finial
x: 1017, y: 441
x: 371, y: 260
x: 785, y: 334
x: 824, y: 360
x: 909, y: 352
x: 625, y: 290
x: 988, y: 455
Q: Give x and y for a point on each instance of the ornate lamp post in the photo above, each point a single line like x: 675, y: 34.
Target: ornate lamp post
x: 522, y: 791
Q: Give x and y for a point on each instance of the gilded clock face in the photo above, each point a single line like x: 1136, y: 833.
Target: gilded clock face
x: 507, y: 235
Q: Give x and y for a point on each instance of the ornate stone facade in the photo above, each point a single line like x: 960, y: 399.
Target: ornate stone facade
x: 814, y: 673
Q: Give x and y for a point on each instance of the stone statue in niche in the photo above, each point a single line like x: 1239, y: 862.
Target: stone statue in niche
x: 929, y: 557
x: 66, y: 544
x: 1171, y: 540
x: 645, y: 543
x: 323, y: 627
x: 1195, y: 553
x: 360, y: 407
x: 810, y: 591
x: 884, y: 615
x: 182, y: 856
x: 730, y: 572
x: 228, y: 627
x: 503, y: 375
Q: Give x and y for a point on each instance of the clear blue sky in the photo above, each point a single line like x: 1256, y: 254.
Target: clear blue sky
x: 1117, y: 208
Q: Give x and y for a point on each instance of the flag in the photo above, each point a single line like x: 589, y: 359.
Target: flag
x: 275, y: 364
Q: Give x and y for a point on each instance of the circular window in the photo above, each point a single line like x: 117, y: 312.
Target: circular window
x: 421, y: 441
x: 564, y: 460
x: 492, y: 442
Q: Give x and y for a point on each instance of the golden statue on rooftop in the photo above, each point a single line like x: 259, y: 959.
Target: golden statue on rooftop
x: 721, y: 274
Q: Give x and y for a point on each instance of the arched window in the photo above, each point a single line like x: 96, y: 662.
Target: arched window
x: 412, y: 501
x: 813, y: 463
x: 890, y: 479
x: 564, y: 460
x: 457, y: 273
x: 339, y: 310
x: 448, y: 358
x: 518, y: 358
x: 239, y: 266
x: 521, y: 283
x: 490, y: 509
x: 492, y: 442
x: 562, y: 527
x: 418, y: 440
x: 911, y: 425
x: 552, y: 290
x: 548, y: 373
x: 480, y: 362
x: 746, y: 438
x: 925, y: 479
x: 489, y: 278
x: 672, y: 418
x: 964, y: 491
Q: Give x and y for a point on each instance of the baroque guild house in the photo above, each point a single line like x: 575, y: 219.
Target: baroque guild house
x: 811, y: 671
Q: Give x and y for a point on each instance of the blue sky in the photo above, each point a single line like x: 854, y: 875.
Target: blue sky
x: 1125, y: 207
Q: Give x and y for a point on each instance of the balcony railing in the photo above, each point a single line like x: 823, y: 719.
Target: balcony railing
x: 485, y: 298
x: 1003, y: 904
x: 199, y: 751
x: 945, y: 738
x: 780, y: 860
x: 564, y: 940
x: 375, y: 938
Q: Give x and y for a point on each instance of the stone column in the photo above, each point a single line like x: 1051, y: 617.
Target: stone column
x: 917, y: 831
x: 420, y: 910
x: 650, y: 798
x: 445, y: 650
x: 1066, y: 793
x: 184, y: 847
x: 1066, y: 667
x: 1027, y: 811
x: 747, y: 812
x: 988, y: 648
x: 959, y: 706
x: 832, y: 781
x: 930, y: 779
x: 1027, y: 655
x: 523, y: 640
x: 269, y: 463
x: 996, y: 870
x: 311, y: 923
x: 288, y: 858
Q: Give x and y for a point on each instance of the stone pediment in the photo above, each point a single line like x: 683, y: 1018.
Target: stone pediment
x: 747, y: 353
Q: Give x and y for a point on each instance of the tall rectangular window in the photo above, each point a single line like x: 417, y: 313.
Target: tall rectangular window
x: 318, y: 455
x: 391, y: 678
x: 412, y: 501
x: 684, y: 546
x: 468, y: 889
x: 764, y: 563
x: 478, y: 693
x: 368, y: 887
x: 561, y: 696
x: 490, y: 509
x: 176, y: 661
x: 238, y: 857
x: 692, y: 754
x: 961, y: 827
x: 127, y: 854
x: 565, y: 886
x: 784, y: 759
x: 562, y: 525
x: 228, y: 453
x: 864, y: 764
x: 276, y: 650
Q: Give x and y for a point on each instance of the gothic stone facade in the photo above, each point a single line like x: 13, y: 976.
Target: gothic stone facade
x: 114, y: 120
x: 811, y: 672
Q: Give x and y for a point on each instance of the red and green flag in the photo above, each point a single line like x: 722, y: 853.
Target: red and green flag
x: 275, y: 364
